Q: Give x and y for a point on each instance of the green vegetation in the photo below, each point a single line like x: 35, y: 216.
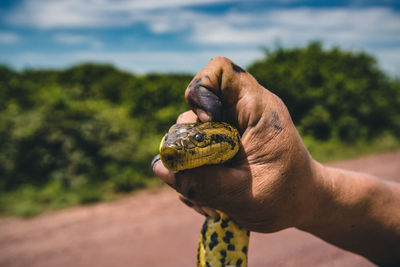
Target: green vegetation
x: 88, y: 133
x: 341, y: 102
x: 81, y: 135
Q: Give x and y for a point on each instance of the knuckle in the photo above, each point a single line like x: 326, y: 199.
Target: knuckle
x: 221, y: 60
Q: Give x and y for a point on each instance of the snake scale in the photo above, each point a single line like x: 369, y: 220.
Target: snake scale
x: 189, y: 145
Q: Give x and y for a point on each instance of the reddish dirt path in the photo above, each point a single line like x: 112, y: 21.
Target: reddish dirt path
x: 153, y: 228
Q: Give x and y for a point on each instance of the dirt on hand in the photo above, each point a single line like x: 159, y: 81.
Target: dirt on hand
x: 152, y: 228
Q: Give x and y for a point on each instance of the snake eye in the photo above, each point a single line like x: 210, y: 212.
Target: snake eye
x: 199, y: 137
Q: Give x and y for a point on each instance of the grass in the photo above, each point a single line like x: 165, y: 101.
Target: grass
x: 29, y: 200
x: 334, y: 149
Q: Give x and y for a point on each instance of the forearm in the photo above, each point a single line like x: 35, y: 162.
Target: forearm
x: 356, y: 212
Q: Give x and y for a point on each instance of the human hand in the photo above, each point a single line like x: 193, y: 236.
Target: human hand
x: 269, y: 185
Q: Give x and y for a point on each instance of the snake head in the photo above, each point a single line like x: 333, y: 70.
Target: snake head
x: 190, y: 145
x: 179, y: 143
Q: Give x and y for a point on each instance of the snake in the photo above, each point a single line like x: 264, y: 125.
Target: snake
x: 222, y: 241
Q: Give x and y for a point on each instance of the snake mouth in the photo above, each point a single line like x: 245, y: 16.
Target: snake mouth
x: 169, y: 157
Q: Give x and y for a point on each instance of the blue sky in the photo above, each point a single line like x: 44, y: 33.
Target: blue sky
x: 182, y: 35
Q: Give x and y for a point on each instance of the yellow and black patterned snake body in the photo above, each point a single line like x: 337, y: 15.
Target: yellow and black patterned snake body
x: 189, y: 145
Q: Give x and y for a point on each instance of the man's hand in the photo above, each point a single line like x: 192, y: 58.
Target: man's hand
x: 273, y: 183
x: 267, y: 186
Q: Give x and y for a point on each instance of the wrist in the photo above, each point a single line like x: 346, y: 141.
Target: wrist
x: 332, y: 196
x: 317, y: 198
x: 338, y: 195
x: 354, y: 211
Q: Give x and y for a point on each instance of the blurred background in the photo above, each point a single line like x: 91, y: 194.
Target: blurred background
x: 88, y: 88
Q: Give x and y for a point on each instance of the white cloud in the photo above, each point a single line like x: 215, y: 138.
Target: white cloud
x: 235, y: 27
x: 93, y: 13
x: 297, y: 26
x: 77, y: 39
x: 70, y: 38
x: 344, y: 26
x: 238, y: 32
x: 9, y: 38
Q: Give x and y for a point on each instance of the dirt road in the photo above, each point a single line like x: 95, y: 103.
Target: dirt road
x: 152, y: 228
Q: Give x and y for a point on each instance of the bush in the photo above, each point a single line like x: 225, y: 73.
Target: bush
x: 317, y: 123
x: 332, y: 92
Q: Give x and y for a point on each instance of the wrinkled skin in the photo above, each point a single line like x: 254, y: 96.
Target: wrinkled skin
x: 264, y: 187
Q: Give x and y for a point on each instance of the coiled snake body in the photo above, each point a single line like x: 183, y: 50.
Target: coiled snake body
x: 189, y: 145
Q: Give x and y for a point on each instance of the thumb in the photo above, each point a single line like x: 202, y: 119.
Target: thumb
x: 222, y: 91
x: 206, y: 95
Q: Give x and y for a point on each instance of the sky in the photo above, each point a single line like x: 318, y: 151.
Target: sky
x: 143, y: 36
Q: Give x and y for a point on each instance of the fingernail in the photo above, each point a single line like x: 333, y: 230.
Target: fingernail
x: 155, y: 160
x: 203, y: 116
